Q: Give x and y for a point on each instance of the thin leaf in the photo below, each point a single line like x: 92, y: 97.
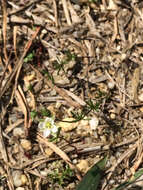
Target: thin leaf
x: 92, y: 178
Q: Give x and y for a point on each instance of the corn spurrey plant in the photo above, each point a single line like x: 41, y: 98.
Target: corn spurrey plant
x: 48, y: 127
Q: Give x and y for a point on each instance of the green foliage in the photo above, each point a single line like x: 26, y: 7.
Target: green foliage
x: 92, y: 106
x: 131, y: 181
x: 30, y: 88
x: 55, y: 138
x: 92, y: 178
x: 50, y: 77
x: 46, y: 112
x: 29, y: 57
x: 60, y: 176
x: 77, y: 116
x: 33, y: 114
x: 100, y: 94
x: 70, y: 56
x: 59, y: 65
x: 43, y: 112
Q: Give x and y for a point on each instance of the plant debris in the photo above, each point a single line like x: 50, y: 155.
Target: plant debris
x: 71, y: 93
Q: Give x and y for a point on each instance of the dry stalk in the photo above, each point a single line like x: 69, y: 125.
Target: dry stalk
x: 4, y: 6
x: 66, y: 11
x: 58, y: 151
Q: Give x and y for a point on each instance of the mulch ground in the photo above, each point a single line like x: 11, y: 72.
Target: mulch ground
x: 78, y: 62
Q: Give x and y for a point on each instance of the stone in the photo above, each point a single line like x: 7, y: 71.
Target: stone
x: 111, y: 85
x: 17, y: 178
x: 94, y: 123
x: 26, y: 144
x: 67, y: 126
x: 20, y: 188
x: 83, y: 166
x: 24, y: 179
x: 48, y: 152
x: 140, y: 97
x: 18, y: 132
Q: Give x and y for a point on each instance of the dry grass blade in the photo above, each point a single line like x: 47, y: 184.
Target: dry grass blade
x: 2, y: 145
x: 5, y: 32
x: 58, y: 151
x: 27, y: 82
x: 110, y: 78
x: 14, y: 40
x: 24, y: 7
x: 74, y: 17
x: 3, y: 75
x: 22, y: 104
x: 9, y: 128
x: 4, y: 153
x: 60, y: 91
x: 9, y: 179
x: 1, y: 63
x: 55, y: 13
x: 135, y: 83
x: 122, y: 157
x: 115, y: 29
x: 64, y: 94
x: 18, y: 65
x: 66, y: 11
x: 76, y: 98
x: 137, y: 164
x: 37, y: 184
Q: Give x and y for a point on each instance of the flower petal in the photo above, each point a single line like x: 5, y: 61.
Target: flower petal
x: 54, y: 129
x: 46, y: 132
x: 41, y: 125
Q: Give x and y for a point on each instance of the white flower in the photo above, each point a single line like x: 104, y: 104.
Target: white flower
x: 47, y: 127
x: 54, y: 129
x: 46, y: 133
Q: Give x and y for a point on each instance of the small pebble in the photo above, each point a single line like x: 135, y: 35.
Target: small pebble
x: 111, y: 182
x: 26, y: 144
x: 123, y: 56
x: 97, y: 50
x: 17, y: 178
x: 94, y: 123
x: 48, y: 152
x: 18, y: 132
x: 20, y: 188
x: 44, y: 31
x: 111, y: 85
x: 76, y: 7
x: 71, y: 186
x: 74, y: 161
x: 83, y: 166
x: 24, y: 179
x: 118, y: 47
x: 140, y: 97
x: 112, y: 115
x: 44, y: 173
x: 67, y: 126
x: 141, y: 109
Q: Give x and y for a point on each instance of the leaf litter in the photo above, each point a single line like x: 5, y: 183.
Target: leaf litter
x: 79, y: 62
